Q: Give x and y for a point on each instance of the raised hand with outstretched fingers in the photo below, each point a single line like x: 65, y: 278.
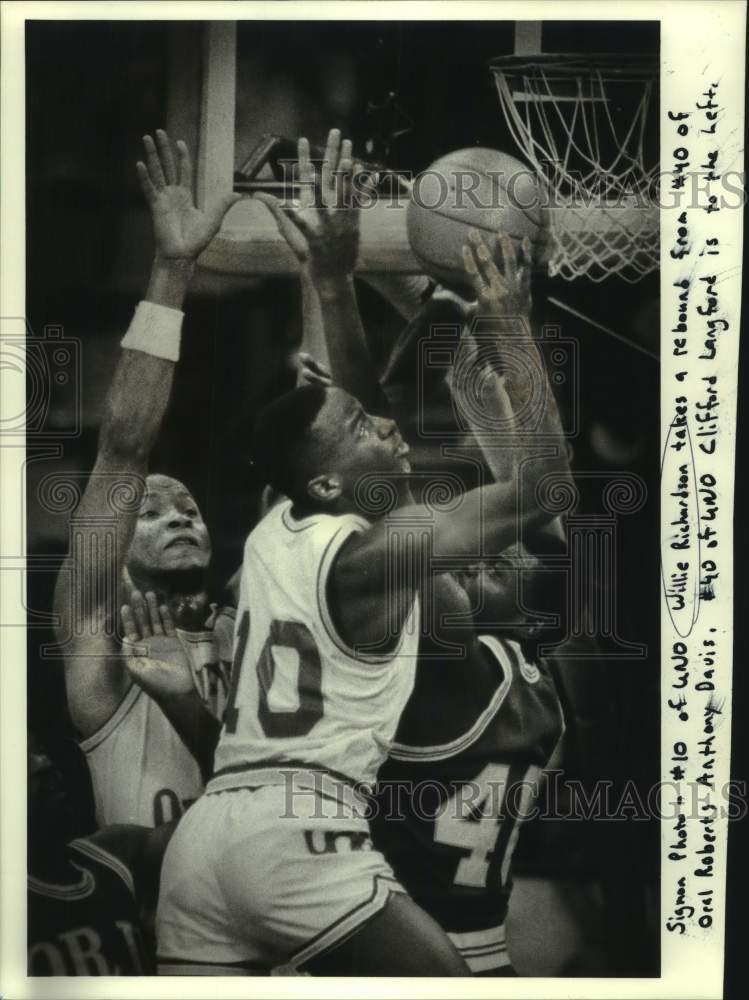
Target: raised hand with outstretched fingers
x: 322, y: 228
x: 181, y: 230
x: 154, y: 656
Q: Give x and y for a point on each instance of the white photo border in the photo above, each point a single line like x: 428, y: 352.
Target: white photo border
x: 702, y: 43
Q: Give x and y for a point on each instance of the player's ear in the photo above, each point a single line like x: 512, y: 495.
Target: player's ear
x: 324, y: 488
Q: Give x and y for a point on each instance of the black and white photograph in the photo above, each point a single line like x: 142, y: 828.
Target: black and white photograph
x: 370, y: 378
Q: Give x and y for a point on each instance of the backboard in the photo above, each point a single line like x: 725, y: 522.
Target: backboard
x: 380, y: 82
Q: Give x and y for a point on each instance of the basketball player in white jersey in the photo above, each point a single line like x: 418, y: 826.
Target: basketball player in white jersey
x: 274, y: 865
x: 132, y: 531
x: 487, y: 716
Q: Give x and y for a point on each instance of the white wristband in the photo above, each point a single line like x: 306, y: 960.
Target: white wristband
x: 155, y: 330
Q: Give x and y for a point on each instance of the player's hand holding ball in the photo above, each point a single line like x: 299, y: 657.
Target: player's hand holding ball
x: 154, y: 656
x: 322, y: 228
x: 499, y: 293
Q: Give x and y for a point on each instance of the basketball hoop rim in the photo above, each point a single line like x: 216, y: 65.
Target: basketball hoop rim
x: 593, y: 151
x: 617, y: 65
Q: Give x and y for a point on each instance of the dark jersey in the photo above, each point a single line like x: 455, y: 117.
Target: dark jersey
x: 462, y: 774
x: 88, y: 927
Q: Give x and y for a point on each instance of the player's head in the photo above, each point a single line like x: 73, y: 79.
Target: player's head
x: 170, y: 535
x: 316, y: 442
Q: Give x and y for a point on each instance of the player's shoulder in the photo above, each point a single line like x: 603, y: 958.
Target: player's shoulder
x: 314, y: 529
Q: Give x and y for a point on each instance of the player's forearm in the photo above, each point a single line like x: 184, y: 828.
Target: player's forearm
x: 350, y: 363
x: 133, y: 414
x: 142, y: 382
x: 489, y: 520
x: 404, y: 292
x: 528, y: 381
x: 169, y: 282
x: 534, y: 415
x: 134, y: 410
x: 495, y: 430
x: 198, y: 728
x: 313, y: 335
x: 549, y: 435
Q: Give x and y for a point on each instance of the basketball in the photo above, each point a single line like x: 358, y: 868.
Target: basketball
x: 473, y: 188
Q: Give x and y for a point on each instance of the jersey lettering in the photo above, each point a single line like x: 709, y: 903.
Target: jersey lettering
x: 471, y: 820
x: 130, y: 936
x: 83, y: 948
x: 151, y: 794
x: 46, y: 960
x: 294, y: 636
x: 166, y: 806
x: 337, y: 841
x: 231, y: 713
x: 289, y: 637
x: 530, y: 781
x: 296, y: 693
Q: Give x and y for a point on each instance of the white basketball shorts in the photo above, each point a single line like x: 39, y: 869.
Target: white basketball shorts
x: 253, y: 880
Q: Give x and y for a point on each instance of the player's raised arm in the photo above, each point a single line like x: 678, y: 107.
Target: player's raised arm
x: 506, y: 362
x: 86, y: 597
x: 514, y: 378
x: 479, y: 369
x: 323, y: 231
x: 390, y: 559
x: 503, y: 306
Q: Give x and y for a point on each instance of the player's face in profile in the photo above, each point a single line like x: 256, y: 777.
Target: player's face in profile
x: 169, y: 533
x: 356, y: 442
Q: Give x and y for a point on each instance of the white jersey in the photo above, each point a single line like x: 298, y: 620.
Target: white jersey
x: 141, y: 771
x: 300, y: 694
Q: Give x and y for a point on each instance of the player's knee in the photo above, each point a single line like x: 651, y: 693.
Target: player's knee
x: 420, y: 940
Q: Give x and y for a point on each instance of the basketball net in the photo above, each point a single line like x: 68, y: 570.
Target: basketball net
x: 581, y: 122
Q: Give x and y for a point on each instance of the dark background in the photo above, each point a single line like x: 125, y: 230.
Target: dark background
x: 93, y: 89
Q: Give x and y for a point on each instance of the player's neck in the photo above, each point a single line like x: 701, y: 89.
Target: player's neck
x: 381, y: 500
x: 183, y: 591
x: 348, y: 505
